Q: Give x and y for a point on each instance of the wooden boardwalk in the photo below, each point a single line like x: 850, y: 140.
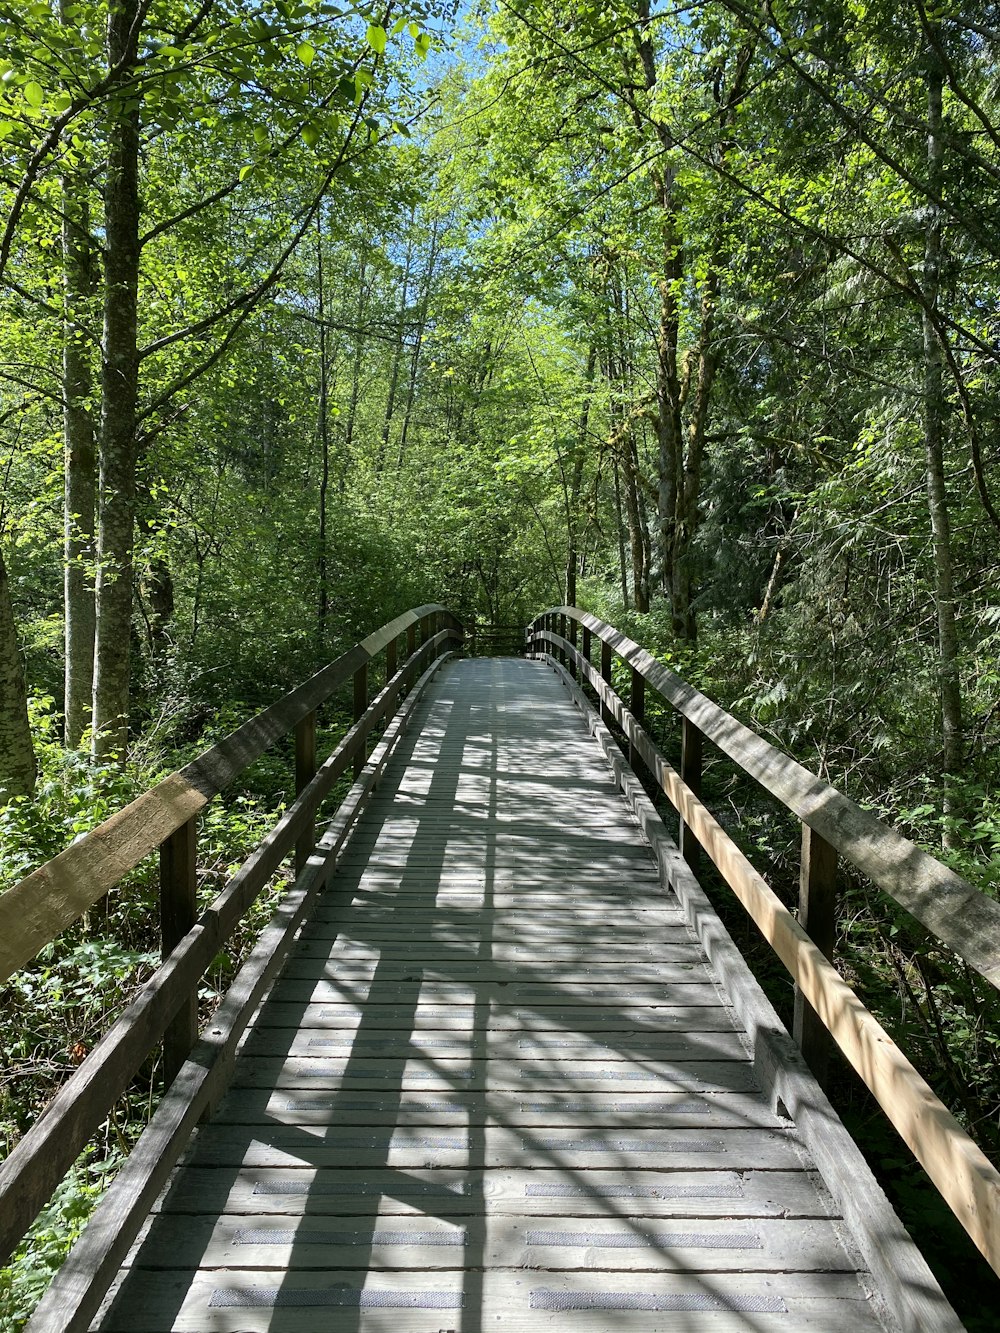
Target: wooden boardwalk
x: 496, y: 1086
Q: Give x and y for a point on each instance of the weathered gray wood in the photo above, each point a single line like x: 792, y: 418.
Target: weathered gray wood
x: 360, y: 707
x: 278, y: 1302
x: 898, y: 1267
x: 178, y: 913
x: 963, y: 1175
x: 406, y: 1146
x: 75, y: 1295
x: 963, y: 918
x: 306, y: 1106
x: 517, y: 1105
x: 421, y: 1075
x: 305, y: 771
x: 637, y: 706
x: 429, y: 1243
x: 40, y: 1159
x: 818, y: 917
x: 691, y: 757
x: 295, y: 1191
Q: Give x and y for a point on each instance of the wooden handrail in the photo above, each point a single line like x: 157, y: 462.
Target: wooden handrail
x: 958, y: 914
x: 966, y: 1179
x: 41, y: 1158
x: 48, y: 901
x: 76, y: 1292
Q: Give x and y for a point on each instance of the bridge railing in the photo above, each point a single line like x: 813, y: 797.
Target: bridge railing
x: 35, y: 911
x: 956, y: 913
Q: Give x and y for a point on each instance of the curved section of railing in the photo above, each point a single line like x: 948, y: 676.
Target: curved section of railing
x: 956, y: 913
x: 38, y: 909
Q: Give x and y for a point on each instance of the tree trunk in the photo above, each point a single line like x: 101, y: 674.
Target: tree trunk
x: 686, y: 513
x: 418, y: 338
x: 119, y: 394
x: 576, y: 483
x: 80, y: 486
x: 323, y: 423
x: 359, y: 352
x: 397, y: 354
x: 17, y: 756
x: 620, y: 528
x: 934, y: 408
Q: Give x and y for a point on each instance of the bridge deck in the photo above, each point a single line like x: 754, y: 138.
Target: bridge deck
x: 496, y: 1084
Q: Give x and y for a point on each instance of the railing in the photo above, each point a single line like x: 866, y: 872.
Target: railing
x: 44, y: 904
x: 958, y: 915
x: 492, y: 640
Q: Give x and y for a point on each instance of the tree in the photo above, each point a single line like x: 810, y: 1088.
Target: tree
x: 17, y: 756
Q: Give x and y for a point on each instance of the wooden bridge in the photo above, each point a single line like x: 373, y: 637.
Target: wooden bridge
x: 496, y: 1063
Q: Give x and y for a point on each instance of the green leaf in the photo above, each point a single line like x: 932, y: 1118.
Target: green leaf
x: 33, y: 94
x: 310, y: 133
x: 376, y: 38
x: 306, y: 52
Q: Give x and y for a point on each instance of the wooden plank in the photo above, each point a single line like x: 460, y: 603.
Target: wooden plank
x: 305, y: 771
x: 331, y: 989
x: 630, y: 1019
x: 273, y: 1301
x: 315, y: 962
x: 406, y: 1146
x: 691, y: 761
x: 305, y: 1106
x: 331, y: 1073
x: 345, y: 1192
x: 818, y: 917
x: 270, y: 1240
x: 178, y: 914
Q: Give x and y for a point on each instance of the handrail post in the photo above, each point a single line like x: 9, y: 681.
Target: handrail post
x: 573, y: 669
x: 360, y: 705
x: 411, y: 639
x: 691, y: 776
x: 178, y: 914
x: 637, y: 707
x: 305, y: 771
x: 391, y: 659
x: 586, y: 649
x: 606, y: 713
x: 818, y: 917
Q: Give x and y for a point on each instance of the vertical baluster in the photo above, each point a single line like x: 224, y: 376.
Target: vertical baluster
x: 690, y: 774
x: 818, y: 917
x: 586, y: 650
x: 391, y: 659
x: 606, y: 712
x: 360, y: 705
x: 305, y: 771
x: 637, y: 707
x: 178, y: 913
x: 573, y: 671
